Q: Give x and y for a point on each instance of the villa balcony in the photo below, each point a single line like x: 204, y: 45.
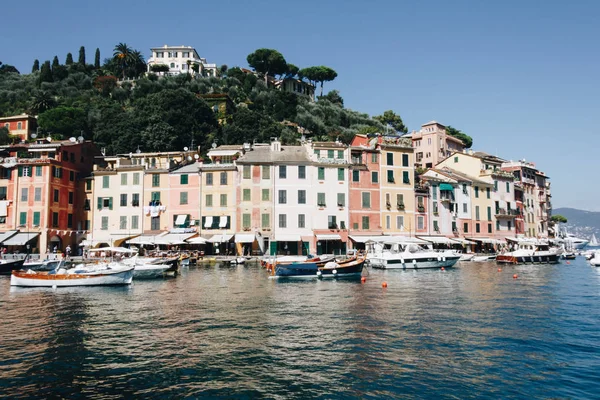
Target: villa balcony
x: 502, y: 213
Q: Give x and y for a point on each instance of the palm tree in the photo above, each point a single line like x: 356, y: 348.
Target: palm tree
x: 122, y: 55
x: 41, y: 101
x: 138, y: 64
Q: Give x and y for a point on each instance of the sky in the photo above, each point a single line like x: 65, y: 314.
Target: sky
x: 520, y: 77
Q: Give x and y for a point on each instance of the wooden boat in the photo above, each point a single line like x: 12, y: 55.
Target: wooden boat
x: 349, y: 268
x: 7, y: 266
x: 529, y: 251
x: 73, y: 277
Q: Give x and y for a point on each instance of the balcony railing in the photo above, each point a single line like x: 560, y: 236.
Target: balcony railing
x: 507, y: 214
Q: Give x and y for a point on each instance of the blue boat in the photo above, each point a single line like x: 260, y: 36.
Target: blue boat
x: 351, y: 267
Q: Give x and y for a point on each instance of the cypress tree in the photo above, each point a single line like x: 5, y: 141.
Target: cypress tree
x: 55, y: 62
x: 46, y: 72
x: 82, y: 55
x: 69, y: 59
x: 36, y: 66
x: 97, y: 58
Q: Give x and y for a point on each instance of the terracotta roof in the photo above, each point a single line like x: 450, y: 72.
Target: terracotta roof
x: 264, y: 155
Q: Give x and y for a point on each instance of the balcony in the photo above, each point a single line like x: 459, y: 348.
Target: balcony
x: 502, y: 213
x: 421, y: 209
x: 400, y: 206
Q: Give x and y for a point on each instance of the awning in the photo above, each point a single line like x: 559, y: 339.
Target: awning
x: 181, y: 218
x: 245, y: 237
x: 364, y: 239
x: 437, y: 239
x: 7, y: 234
x: 487, y: 240
x: 223, y: 152
x: 462, y: 241
x: 196, y: 240
x: 446, y: 186
x: 223, y: 222
x: 208, y: 222
x: 174, y: 238
x: 331, y: 236
x: 145, y: 239
x: 20, y: 239
x: 220, y: 238
x: 287, y: 237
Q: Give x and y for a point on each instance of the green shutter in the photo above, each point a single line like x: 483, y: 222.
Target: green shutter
x: 36, y: 218
x: 21, y: 170
x: 321, y: 173
x: 273, y: 248
x: 99, y: 203
x: 340, y: 174
x: 23, y: 218
x: 110, y: 203
x: 184, y: 179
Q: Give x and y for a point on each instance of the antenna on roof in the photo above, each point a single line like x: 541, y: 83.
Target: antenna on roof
x: 138, y: 151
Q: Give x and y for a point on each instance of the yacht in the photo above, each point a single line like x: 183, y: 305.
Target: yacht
x: 527, y: 251
x: 574, y: 242
x: 409, y: 255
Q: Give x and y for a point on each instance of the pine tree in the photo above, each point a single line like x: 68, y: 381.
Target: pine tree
x: 69, y: 59
x: 82, y: 55
x: 55, y: 62
x: 36, y: 66
x: 97, y: 58
x: 46, y: 72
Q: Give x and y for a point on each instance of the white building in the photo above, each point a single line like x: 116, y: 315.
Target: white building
x: 181, y: 60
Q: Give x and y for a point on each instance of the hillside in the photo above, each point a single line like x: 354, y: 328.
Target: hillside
x: 580, y: 222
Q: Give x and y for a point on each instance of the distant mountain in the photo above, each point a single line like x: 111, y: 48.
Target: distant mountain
x: 580, y: 222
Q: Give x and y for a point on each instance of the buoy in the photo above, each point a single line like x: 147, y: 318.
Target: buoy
x: 334, y: 272
x: 515, y: 276
x: 363, y: 279
x: 499, y: 269
x: 568, y: 262
x: 443, y: 269
x: 319, y: 273
x: 54, y: 287
x: 383, y: 284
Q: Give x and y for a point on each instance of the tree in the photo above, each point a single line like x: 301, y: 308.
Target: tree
x: 137, y: 64
x: 41, y: 101
x: 159, y: 68
x: 69, y: 59
x: 97, y: 59
x: 318, y: 74
x: 292, y: 71
x: 392, y: 119
x: 62, y: 120
x: 5, y: 137
x: 466, y: 139
x: 122, y: 56
x: 36, y: 66
x: 334, y: 97
x: 105, y: 84
x: 46, y: 73
x: 267, y: 62
x: 81, y: 56
x: 557, y: 218
x: 55, y: 63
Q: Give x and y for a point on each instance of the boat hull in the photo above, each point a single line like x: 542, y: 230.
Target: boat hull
x: 414, y: 263
x: 528, y: 259
x: 346, y: 269
x: 150, y: 271
x: 10, y: 265
x: 43, y: 279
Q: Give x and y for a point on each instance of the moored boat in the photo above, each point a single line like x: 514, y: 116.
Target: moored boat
x: 7, y: 266
x: 528, y: 251
x: 410, y: 255
x: 483, y: 257
x: 348, y: 268
x: 73, y: 277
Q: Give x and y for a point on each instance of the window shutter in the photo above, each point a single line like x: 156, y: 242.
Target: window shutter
x: 99, y: 203
x: 110, y: 203
x: 20, y: 171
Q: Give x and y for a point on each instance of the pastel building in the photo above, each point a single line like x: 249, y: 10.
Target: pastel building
x: 432, y: 144
x: 181, y: 60
x: 184, y: 213
x: 22, y: 126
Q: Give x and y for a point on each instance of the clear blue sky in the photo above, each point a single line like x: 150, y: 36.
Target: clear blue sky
x: 521, y: 77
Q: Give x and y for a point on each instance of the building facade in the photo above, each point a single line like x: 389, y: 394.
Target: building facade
x: 181, y: 60
x: 432, y: 145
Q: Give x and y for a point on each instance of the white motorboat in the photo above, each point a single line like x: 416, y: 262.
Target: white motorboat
x: 575, y: 243
x: 409, y: 255
x: 81, y: 275
x: 530, y: 251
x: 484, y: 257
x: 595, y: 259
x: 466, y: 257
x: 146, y: 268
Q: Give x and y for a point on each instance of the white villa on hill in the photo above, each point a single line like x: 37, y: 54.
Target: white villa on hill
x: 180, y: 60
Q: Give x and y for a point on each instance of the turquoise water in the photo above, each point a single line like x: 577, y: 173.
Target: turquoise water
x: 221, y: 331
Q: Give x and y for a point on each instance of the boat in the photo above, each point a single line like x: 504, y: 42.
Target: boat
x: 408, y: 255
x: 270, y: 262
x: 595, y: 259
x: 7, y: 266
x: 568, y: 255
x: 238, y: 260
x: 146, y: 269
x: 466, y: 257
x: 483, y: 257
x: 529, y: 251
x: 45, y: 265
x: 575, y: 243
x: 348, y: 268
x: 117, y: 274
x: 593, y: 241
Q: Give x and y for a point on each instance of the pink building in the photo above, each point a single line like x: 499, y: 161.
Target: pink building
x: 22, y: 125
x: 432, y: 144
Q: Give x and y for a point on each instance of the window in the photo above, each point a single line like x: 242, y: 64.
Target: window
x: 183, y: 179
x: 366, y: 200
x: 24, y: 171
x: 265, y: 220
x: 209, y: 179
x: 25, y: 194
x: 477, y: 213
x: 405, y: 177
x: 104, y: 223
x: 318, y: 153
x: 489, y: 213
x: 465, y: 209
x: 434, y: 192
x: 405, y: 160
x: 341, y: 174
x: 135, y: 222
x: 71, y: 197
x: 301, y: 196
x: 509, y: 227
x: 321, y: 173
x: 282, y: 195
x: 455, y: 159
x: 155, y: 223
x: 454, y: 228
x: 223, y: 178
x: 246, y: 195
x: 477, y: 228
x: 37, y: 194
x: 246, y: 172
x: 390, y: 176
x: 87, y: 225
x: 265, y: 194
x: 123, y: 202
x: 36, y: 218
x: 266, y: 172
x: 497, y: 225
x: 464, y: 187
x: 487, y: 192
x: 38, y: 170
x: 301, y: 172
x: 331, y: 222
x: 122, y: 222
x: 436, y: 227
x: 23, y: 218
x: 466, y: 227
x: 246, y: 218
x: 282, y: 172
x: 399, y: 200
x: 374, y: 157
x: 507, y: 187
x: 365, y: 222
x: 136, y: 178
x: 209, y: 200
x: 223, y: 201
x: 390, y: 158
x: 374, y: 177
x: 420, y: 222
x: 435, y: 208
x: 301, y: 221
x: 355, y: 175
x: 155, y: 196
x: 329, y: 153
x: 105, y: 182
x: 341, y: 199
x: 340, y: 154
x: 476, y: 192
x: 135, y: 199
x: 400, y: 222
x: 19, y: 125
x: 155, y: 180
x: 388, y: 222
x: 495, y: 186
x: 489, y: 228
x: 183, y: 198
x: 282, y: 220
x: 321, y: 199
